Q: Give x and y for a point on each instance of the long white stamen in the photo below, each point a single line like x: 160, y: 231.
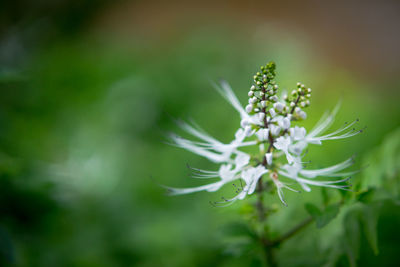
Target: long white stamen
x: 325, y: 121
x: 226, y: 92
x: 329, y: 170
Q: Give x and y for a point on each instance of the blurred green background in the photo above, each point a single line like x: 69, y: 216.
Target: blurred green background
x: 89, y: 89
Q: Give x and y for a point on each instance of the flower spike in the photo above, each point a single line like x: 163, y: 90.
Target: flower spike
x: 268, y: 122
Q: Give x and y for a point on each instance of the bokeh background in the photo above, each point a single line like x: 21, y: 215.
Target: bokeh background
x: 89, y: 89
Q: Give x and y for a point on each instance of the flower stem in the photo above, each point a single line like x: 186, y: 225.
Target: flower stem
x: 262, y: 216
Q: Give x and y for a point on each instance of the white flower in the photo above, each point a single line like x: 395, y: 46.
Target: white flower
x: 279, y: 106
x: 262, y: 134
x: 274, y: 98
x: 297, y: 133
x: 244, y: 123
x: 248, y: 131
x: 302, y: 115
x: 210, y: 148
x: 283, y: 143
x: 279, y: 185
x: 274, y: 129
x: 272, y: 112
x: 263, y: 103
x: 253, y: 100
x: 249, y: 108
x: 284, y: 123
x: 251, y: 177
x: 235, y: 165
x: 324, y: 123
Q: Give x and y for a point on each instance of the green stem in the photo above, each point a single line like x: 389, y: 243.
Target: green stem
x: 292, y: 231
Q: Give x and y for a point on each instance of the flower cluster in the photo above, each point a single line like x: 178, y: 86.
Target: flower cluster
x: 267, y: 123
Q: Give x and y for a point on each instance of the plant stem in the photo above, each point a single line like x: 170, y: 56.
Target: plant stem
x: 292, y: 231
x: 265, y: 241
x: 268, y: 244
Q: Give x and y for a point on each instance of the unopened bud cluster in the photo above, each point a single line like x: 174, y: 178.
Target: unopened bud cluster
x: 263, y: 92
x: 270, y: 111
x: 298, y: 99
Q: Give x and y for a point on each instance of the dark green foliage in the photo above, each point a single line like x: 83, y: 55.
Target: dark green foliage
x: 378, y: 187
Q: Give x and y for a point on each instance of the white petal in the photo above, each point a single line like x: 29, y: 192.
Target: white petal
x: 329, y: 170
x: 239, y: 135
x: 258, y: 172
x: 268, y: 157
x: 282, y: 143
x: 262, y: 134
x: 317, y: 183
x: 225, y: 172
x: 190, y: 146
x: 285, y: 123
x: 226, y: 91
x: 297, y: 133
x: 244, y: 123
x: 275, y: 130
x: 249, y: 108
x: 251, y: 177
x: 325, y: 121
x: 248, y: 131
x: 242, y: 159
x: 181, y: 191
x: 197, y: 132
x: 272, y: 112
x: 302, y: 115
x: 305, y: 187
x: 298, y: 147
x: 279, y: 106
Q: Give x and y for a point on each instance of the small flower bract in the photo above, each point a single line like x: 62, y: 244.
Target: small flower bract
x: 267, y: 123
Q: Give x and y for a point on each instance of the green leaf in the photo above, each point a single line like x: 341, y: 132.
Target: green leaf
x: 366, y: 196
x: 328, y: 215
x: 313, y: 210
x: 369, y: 218
x: 352, y: 236
x: 322, y: 218
x: 384, y: 166
x: 373, y: 195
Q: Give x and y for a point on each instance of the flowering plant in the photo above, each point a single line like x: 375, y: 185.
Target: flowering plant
x: 267, y: 123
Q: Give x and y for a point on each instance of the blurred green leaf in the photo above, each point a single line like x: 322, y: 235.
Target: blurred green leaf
x: 367, y: 195
x: 383, y: 170
x: 373, y: 195
x: 369, y: 218
x: 313, y: 210
x: 323, y: 217
x: 360, y: 218
x: 352, y: 236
